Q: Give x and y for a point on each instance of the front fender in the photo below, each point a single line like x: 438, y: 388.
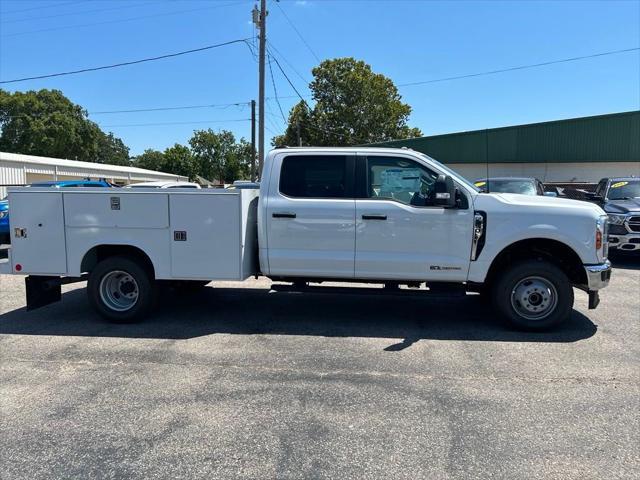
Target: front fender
x: 508, y: 223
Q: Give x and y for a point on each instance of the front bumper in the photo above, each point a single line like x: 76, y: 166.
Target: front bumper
x: 629, y: 242
x: 598, y: 276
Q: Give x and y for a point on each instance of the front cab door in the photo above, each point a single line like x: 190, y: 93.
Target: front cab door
x: 400, y: 234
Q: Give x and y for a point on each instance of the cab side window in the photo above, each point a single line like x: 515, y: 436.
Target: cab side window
x: 401, y: 180
x: 314, y: 176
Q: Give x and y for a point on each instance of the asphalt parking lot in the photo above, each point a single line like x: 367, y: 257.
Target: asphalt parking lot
x: 241, y: 382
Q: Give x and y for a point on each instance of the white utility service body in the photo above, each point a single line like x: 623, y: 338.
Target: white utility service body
x: 379, y: 215
x: 194, y: 234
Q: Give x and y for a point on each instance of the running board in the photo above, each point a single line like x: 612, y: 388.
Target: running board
x: 447, y: 290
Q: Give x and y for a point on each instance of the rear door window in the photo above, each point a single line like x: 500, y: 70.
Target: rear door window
x: 315, y: 176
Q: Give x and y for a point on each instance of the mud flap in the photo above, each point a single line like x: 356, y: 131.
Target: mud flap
x: 42, y: 290
x: 594, y: 299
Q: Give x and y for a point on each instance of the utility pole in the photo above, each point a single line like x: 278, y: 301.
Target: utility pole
x: 298, y: 132
x: 262, y: 26
x: 253, y: 140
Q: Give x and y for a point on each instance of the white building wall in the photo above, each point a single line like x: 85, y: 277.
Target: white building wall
x: 16, y: 169
x: 10, y: 174
x: 550, y: 172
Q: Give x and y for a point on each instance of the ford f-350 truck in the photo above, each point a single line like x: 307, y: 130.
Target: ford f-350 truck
x: 377, y: 215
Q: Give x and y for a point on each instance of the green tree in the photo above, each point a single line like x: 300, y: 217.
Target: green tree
x: 353, y: 106
x: 180, y: 161
x: 47, y: 123
x: 112, y: 150
x: 150, y: 159
x: 219, y: 157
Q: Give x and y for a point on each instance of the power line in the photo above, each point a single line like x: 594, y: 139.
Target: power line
x: 160, y: 109
x: 289, y: 81
x: 300, y: 76
x: 297, y: 31
x: 175, y: 123
x: 503, y: 70
x: 521, y: 67
x: 123, y: 64
x: 40, y: 7
x: 80, y: 12
x: 309, y: 124
x: 108, y: 22
x: 275, y: 90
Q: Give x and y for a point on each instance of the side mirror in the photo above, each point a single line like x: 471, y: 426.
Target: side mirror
x: 550, y: 194
x: 445, y: 192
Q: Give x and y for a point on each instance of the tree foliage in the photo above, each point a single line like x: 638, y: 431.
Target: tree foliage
x: 353, y: 106
x: 219, y: 156
x: 214, y: 156
x: 48, y: 124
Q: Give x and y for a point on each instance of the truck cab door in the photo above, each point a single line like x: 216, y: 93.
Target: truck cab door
x: 400, y: 233
x: 310, y: 216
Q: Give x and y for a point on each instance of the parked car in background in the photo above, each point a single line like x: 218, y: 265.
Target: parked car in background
x: 73, y: 183
x: 620, y: 198
x: 521, y: 185
x: 4, y: 203
x: 243, y: 184
x: 4, y: 221
x: 163, y: 185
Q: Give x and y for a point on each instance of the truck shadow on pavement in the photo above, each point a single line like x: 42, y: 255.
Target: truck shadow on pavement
x: 252, y: 311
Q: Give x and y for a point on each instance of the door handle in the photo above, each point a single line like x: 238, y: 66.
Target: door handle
x: 374, y: 217
x: 283, y: 215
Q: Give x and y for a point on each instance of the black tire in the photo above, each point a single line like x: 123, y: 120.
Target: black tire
x: 143, y: 284
x: 524, y: 280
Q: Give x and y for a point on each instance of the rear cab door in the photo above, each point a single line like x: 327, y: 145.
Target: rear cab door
x: 310, y: 215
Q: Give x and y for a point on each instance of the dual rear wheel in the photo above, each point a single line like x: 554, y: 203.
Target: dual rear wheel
x: 123, y: 289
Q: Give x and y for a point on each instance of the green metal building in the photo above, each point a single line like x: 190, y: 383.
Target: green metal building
x: 574, y: 150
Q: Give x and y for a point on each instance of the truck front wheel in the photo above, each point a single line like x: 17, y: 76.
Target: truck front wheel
x: 534, y: 295
x: 121, y: 289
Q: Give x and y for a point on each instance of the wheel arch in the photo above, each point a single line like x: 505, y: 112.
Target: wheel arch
x: 99, y: 252
x: 554, y: 251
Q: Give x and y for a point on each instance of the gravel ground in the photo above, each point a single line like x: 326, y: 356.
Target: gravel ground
x: 238, y: 382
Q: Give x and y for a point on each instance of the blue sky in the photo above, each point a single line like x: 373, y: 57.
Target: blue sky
x: 408, y: 41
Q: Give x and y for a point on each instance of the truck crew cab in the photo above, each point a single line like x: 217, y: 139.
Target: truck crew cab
x: 378, y: 215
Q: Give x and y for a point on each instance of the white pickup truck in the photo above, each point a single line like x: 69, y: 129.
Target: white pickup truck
x: 387, y: 216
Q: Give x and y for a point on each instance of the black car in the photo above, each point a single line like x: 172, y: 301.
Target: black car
x: 620, y: 198
x: 521, y: 185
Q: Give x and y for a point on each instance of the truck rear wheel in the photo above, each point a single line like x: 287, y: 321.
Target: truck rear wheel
x: 534, y: 295
x: 121, y: 289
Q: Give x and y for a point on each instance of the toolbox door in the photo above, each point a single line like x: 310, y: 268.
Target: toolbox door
x: 205, y: 236
x: 37, y: 232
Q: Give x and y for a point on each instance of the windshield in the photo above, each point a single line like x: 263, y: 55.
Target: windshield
x: 523, y: 187
x: 624, y: 190
x: 454, y: 174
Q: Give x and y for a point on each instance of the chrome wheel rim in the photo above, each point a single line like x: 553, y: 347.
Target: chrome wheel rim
x: 119, y: 291
x: 534, y: 298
